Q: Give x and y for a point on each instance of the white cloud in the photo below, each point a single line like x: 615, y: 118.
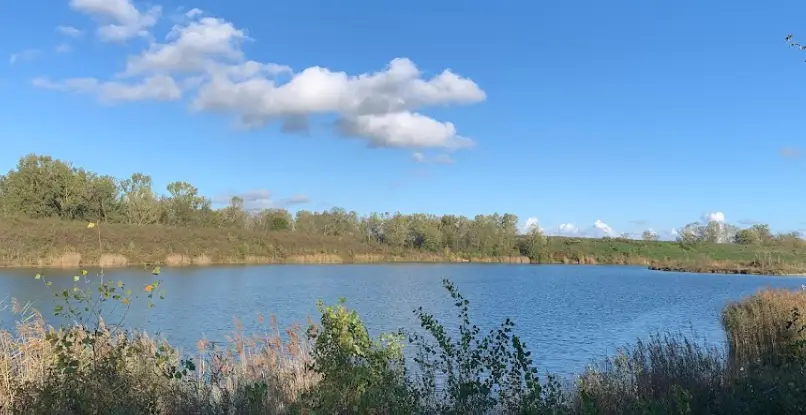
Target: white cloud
x: 25, y: 55
x: 204, y: 54
x: 63, y: 48
x: 713, y: 217
x: 193, y: 47
x: 69, y: 31
x: 529, y: 224
x: 418, y: 157
x: 194, y: 12
x: 601, y: 227
x: 597, y: 230
x: 157, y: 88
x: 119, y: 19
x: 567, y: 229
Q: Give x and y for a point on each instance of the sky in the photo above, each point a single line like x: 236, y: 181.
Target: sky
x: 586, y: 117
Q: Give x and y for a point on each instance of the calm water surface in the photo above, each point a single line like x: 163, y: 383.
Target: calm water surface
x: 567, y: 314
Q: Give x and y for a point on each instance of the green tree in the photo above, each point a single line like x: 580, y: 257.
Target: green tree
x: 139, y: 204
x: 535, y: 244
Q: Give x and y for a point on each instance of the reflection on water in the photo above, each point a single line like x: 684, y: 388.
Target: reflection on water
x: 566, y: 314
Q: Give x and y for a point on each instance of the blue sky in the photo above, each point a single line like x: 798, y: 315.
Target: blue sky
x: 637, y: 114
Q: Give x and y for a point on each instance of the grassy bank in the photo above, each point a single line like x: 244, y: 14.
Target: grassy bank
x: 70, y: 244
x: 336, y: 367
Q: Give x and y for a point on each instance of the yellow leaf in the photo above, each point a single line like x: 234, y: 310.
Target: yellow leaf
x: 125, y: 301
x: 91, y: 225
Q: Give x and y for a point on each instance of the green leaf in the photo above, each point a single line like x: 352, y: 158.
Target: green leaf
x: 76, y: 278
x: 38, y: 276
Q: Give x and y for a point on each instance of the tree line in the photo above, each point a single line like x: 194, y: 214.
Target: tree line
x: 43, y: 187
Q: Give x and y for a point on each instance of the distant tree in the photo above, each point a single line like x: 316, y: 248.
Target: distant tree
x: 691, y: 233
x: 747, y: 237
x: 649, y: 235
x: 139, y: 204
x: 534, y: 244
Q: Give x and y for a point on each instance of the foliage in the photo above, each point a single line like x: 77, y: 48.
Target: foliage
x: 358, y: 374
x: 479, y: 374
x: 145, y: 222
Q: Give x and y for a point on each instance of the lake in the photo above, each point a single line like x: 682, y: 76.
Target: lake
x: 567, y: 314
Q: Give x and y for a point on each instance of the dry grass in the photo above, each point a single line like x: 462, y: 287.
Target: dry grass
x: 120, y: 371
x: 667, y: 371
x: 758, y: 326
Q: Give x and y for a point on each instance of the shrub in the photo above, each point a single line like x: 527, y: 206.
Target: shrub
x: 358, y: 374
x: 478, y: 374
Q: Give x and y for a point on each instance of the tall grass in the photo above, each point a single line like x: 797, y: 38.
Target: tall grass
x: 760, y: 327
x: 131, y: 372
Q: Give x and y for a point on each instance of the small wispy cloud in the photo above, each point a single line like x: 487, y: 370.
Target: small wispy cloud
x: 63, y: 48
x: 749, y: 222
x: 25, y: 55
x: 790, y: 152
x: 257, y: 199
x: 419, y: 157
x: 69, y: 31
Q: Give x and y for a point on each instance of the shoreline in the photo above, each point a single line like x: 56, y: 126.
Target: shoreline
x: 738, y: 270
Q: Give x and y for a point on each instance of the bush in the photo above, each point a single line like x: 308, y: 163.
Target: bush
x: 358, y: 374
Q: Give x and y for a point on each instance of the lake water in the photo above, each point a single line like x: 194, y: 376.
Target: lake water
x: 567, y: 314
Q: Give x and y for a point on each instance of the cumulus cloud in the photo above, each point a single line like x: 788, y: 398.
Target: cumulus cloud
x: 26, y: 55
x: 529, y: 224
x: 118, y: 20
x: 157, y: 88
x: 204, y: 53
x: 713, y: 217
x: 567, y: 229
x: 601, y: 227
x: 597, y: 230
x: 69, y: 31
